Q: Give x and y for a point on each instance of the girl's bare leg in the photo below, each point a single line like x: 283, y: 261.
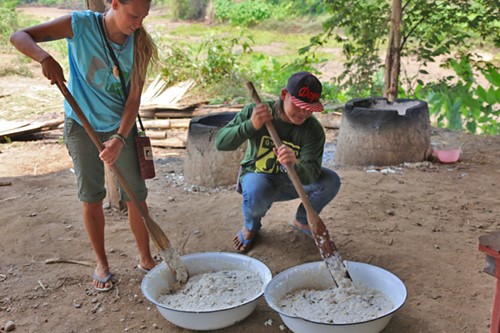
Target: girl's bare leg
x: 140, y: 232
x: 93, y: 219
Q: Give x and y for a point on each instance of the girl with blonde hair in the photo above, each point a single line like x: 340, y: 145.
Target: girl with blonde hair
x: 95, y: 83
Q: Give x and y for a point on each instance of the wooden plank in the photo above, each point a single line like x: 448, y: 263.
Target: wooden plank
x: 158, y: 95
x: 174, y: 142
x: 186, y: 114
x: 175, y: 139
x: 180, y: 123
x: 189, y: 111
x: 167, y: 114
x: 167, y: 123
x: 217, y: 106
x: 206, y: 111
x: 7, y: 125
x: 161, y: 107
x: 34, y: 127
x: 157, y: 123
x: 156, y: 134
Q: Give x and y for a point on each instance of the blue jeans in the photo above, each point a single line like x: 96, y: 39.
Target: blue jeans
x: 261, y: 190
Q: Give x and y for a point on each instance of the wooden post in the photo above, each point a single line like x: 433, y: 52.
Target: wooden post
x: 95, y: 5
x: 210, y: 12
x: 393, y: 57
x: 113, y: 194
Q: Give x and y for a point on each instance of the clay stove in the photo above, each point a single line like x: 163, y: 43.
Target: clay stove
x: 205, y: 165
x: 377, y: 132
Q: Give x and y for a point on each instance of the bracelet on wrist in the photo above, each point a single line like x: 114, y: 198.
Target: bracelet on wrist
x: 41, y: 62
x: 119, y: 137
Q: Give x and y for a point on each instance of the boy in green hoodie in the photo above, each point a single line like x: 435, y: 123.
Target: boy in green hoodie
x: 263, y: 179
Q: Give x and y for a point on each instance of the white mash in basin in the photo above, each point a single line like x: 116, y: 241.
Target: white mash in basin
x: 214, y: 291
x: 347, y: 304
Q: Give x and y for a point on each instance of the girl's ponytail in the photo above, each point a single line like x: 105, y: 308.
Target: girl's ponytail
x: 145, y: 51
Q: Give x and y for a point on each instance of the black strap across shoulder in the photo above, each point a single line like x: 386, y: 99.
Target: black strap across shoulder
x: 116, y: 63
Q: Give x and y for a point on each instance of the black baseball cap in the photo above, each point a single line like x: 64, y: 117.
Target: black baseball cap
x: 305, y: 90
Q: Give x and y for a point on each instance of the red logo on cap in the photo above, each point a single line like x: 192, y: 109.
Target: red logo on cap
x: 311, y: 96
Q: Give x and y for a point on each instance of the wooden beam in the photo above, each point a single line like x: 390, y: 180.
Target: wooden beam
x: 174, y: 142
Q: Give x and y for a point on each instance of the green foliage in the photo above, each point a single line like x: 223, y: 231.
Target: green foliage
x: 429, y: 29
x: 334, y: 94
x: 48, y: 3
x: 212, y: 64
x: 284, y: 11
x: 461, y: 104
x: 223, y: 59
x: 221, y: 66
x: 269, y: 74
x: 17, y: 21
x: 177, y: 65
x: 215, y: 60
x: 9, y: 4
x: 8, y: 20
x: 302, y: 7
x: 244, y: 13
x: 251, y: 12
x: 188, y: 9
x: 363, y: 25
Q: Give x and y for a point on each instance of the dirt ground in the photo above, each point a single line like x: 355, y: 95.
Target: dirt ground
x: 421, y: 222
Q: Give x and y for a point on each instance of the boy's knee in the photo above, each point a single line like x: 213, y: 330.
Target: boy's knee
x: 333, y: 182
x: 332, y: 176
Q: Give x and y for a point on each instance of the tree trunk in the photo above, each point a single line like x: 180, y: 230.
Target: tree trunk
x: 113, y: 193
x: 210, y: 13
x: 95, y: 5
x: 393, y: 58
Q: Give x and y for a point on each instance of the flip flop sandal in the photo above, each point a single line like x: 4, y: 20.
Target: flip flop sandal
x: 106, y: 279
x: 305, y: 232
x: 245, y: 244
x: 142, y: 269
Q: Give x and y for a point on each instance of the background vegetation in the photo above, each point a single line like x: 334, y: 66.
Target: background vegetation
x: 223, y: 46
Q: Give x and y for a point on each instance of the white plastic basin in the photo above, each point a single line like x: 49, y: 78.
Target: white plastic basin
x: 158, y: 280
x: 315, y: 275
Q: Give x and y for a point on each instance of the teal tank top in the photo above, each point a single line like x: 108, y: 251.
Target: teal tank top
x: 92, y: 82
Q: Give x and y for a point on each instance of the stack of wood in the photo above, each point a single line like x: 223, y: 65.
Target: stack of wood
x: 169, y: 128
x: 187, y: 111
x: 173, y: 132
x: 171, y: 119
x: 167, y: 132
x: 165, y: 120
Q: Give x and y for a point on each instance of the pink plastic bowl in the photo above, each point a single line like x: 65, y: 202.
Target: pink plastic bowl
x: 447, y: 156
